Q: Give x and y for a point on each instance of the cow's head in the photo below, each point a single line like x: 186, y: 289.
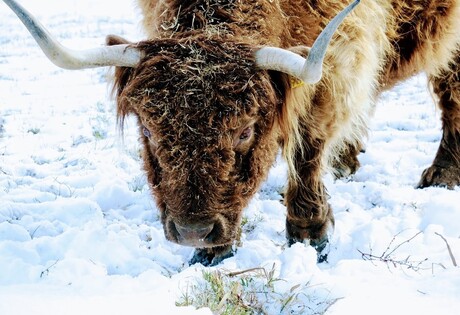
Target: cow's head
x: 207, y: 111
x: 206, y: 120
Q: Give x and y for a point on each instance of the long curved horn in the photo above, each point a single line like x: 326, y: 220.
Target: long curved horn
x: 118, y: 55
x: 308, y: 70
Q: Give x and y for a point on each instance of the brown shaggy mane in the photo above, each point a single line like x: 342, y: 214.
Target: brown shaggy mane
x: 211, y: 74
x: 196, y: 14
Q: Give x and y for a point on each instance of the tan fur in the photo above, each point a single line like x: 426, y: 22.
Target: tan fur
x: 379, y: 44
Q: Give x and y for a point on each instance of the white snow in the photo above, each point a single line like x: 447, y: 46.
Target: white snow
x: 80, y: 234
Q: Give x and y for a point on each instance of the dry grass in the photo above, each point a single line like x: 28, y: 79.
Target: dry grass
x: 251, y: 291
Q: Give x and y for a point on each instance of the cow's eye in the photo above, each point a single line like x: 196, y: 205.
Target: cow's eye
x: 146, y: 132
x: 244, y: 136
x: 148, y: 135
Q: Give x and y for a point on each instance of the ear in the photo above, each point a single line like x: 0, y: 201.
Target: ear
x: 122, y: 77
x: 301, y: 50
x: 112, y: 40
x: 289, y: 81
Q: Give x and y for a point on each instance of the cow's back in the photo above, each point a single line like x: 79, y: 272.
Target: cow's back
x: 424, y: 35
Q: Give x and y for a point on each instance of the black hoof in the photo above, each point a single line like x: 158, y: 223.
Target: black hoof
x: 322, y: 250
x: 210, y: 257
x: 320, y: 246
x: 201, y: 256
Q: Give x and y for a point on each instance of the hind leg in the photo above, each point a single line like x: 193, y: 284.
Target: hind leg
x: 445, y: 170
x: 347, y: 162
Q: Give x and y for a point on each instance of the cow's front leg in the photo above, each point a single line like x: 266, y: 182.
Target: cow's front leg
x: 308, y: 214
x: 445, y: 170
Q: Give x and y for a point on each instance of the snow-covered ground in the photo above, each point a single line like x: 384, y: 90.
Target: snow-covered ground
x: 79, y: 231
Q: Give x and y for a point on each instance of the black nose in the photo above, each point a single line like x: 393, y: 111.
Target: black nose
x: 194, y: 232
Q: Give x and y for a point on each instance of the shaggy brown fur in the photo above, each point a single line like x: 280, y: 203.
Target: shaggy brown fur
x: 195, y: 95
x: 214, y: 120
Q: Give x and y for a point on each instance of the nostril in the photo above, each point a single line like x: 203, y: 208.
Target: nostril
x: 194, y: 231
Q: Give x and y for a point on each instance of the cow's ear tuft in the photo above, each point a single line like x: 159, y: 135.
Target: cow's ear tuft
x: 112, y: 40
x: 121, y: 78
x: 300, y: 50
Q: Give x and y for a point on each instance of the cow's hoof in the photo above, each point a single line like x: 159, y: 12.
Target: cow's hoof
x: 440, y: 176
x: 211, y: 256
x: 345, y: 167
x: 321, y: 246
x: 297, y: 234
x: 347, y: 162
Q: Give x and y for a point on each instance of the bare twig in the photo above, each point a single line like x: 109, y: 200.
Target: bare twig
x: 454, y: 262
x: 34, y: 231
x: 240, y: 272
x: 387, y: 257
x: 436, y: 264
x: 47, y: 270
x: 407, y: 241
